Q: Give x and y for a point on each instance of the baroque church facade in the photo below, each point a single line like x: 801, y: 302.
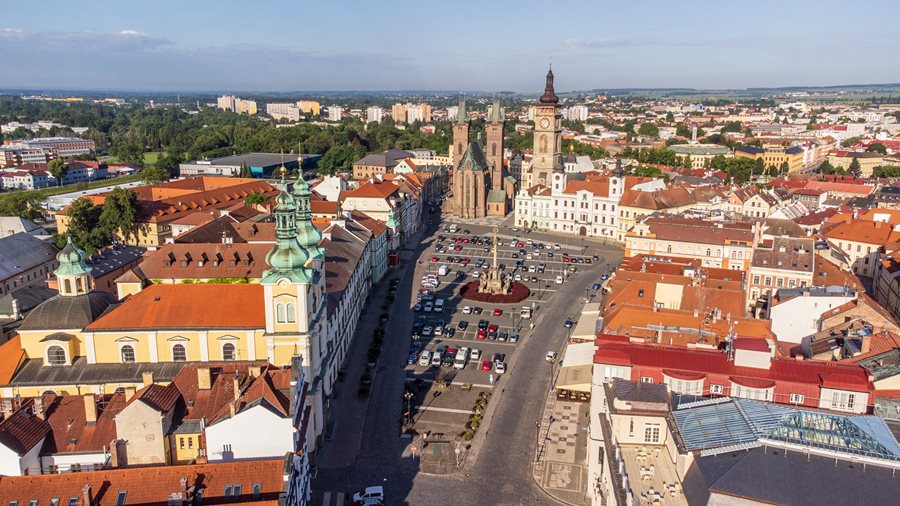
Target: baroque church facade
x: 480, y: 183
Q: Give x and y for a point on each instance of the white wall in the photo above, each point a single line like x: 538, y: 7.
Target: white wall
x: 253, y: 433
x: 13, y: 465
x: 64, y: 461
x: 799, y: 317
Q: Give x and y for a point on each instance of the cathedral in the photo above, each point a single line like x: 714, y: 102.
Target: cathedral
x: 479, y: 182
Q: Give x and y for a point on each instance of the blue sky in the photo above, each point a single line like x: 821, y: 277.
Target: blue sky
x: 485, y: 45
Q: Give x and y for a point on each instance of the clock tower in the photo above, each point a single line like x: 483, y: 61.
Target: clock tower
x: 547, y: 136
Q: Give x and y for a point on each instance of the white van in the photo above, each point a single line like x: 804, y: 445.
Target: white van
x: 425, y: 359
x: 525, y: 312
x: 437, y: 356
x: 439, y: 306
x: 559, y: 281
x: 444, y: 270
x: 462, y: 356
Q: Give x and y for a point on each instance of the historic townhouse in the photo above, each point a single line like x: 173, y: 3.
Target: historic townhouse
x: 725, y: 245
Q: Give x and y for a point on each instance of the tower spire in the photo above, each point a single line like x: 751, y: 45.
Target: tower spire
x: 549, y: 96
x: 288, y: 258
x: 307, y: 234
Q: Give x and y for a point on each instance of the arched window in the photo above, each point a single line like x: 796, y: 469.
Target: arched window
x: 280, y: 313
x: 67, y: 283
x: 493, y: 149
x: 179, y: 354
x: 127, y: 353
x: 669, y: 248
x: 56, y: 355
x: 291, y: 312
x: 227, y: 351
x: 79, y: 285
x: 48, y: 392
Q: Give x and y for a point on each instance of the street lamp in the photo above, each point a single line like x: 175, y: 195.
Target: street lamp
x: 409, y: 418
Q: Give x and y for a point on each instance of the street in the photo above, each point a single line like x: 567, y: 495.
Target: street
x: 499, y: 470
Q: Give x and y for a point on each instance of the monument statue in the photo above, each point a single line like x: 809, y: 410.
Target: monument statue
x: 494, y: 281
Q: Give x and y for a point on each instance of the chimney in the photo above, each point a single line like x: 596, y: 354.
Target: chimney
x: 866, y: 344
x: 39, y: 407
x: 184, y: 488
x: 231, y: 408
x: 87, y: 497
x: 236, y: 382
x: 90, y: 409
x: 130, y: 390
x: 147, y: 377
x: 117, y: 455
x: 6, y: 408
x: 255, y: 371
x: 203, y: 379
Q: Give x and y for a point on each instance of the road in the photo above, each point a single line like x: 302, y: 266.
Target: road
x: 502, y: 472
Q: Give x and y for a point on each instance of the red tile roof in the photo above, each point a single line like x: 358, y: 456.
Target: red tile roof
x: 158, y: 397
x: 71, y: 433
x: 153, y: 485
x: 200, y: 306
x: 22, y: 430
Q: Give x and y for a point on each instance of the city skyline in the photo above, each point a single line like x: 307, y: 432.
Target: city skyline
x: 410, y: 46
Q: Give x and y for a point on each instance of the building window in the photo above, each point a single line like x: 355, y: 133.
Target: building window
x: 227, y: 351
x: 127, y: 353
x: 646, y: 379
x: 716, y: 389
x: 631, y: 426
x: 179, y: 354
x: 56, y: 355
x: 181, y: 443
x: 768, y: 281
x: 291, y: 312
x: 280, y: 316
x: 797, y: 398
x: 843, y: 400
x: 651, y: 433
x: 755, y: 280
x: 190, y: 442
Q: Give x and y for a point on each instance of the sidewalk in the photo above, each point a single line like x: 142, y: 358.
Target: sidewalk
x: 560, y: 466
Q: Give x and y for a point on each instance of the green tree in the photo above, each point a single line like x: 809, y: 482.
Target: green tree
x: 168, y: 164
x: 245, y: 171
x: 340, y: 158
x: 731, y: 126
x: 670, y: 117
x: 877, y: 148
x: 648, y: 130
x: 153, y: 175
x: 58, y: 169
x: 119, y: 214
x: 772, y: 171
x: 682, y: 130
x: 130, y: 153
x: 84, y: 225
x: 255, y: 199
x: 759, y: 166
x: 22, y: 204
x: 854, y: 169
x: 888, y: 171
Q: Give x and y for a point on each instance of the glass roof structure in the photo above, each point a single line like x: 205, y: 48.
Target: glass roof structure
x: 724, y: 424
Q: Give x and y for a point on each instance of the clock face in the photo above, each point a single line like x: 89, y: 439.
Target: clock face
x: 545, y: 123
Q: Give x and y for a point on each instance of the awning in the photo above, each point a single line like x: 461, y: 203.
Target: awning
x: 576, y: 378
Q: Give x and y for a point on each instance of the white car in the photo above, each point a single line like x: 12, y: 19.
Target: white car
x: 500, y: 367
x: 517, y: 277
x: 475, y: 354
x: 476, y: 274
x: 425, y: 359
x: 556, y: 247
x: 467, y: 310
x: 370, y: 495
x: 550, y: 357
x: 559, y: 281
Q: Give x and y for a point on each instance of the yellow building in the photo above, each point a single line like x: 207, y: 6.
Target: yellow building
x: 309, y: 106
x: 774, y: 155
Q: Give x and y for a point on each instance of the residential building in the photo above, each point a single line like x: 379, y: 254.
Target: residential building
x: 30, y: 179
x: 236, y: 104
x: 14, y: 155
x: 774, y: 156
x: 309, y: 107
x: 887, y: 283
x: 577, y: 113
x: 25, y: 260
x: 10, y: 225
x: 786, y: 262
x: 418, y: 112
x: 335, y: 113
x: 61, y: 147
x: 798, y: 312
x: 280, y: 111
x: 867, y: 161
x: 636, y: 204
x: 721, y: 244
x: 860, y: 239
x: 374, y: 114
x: 700, y: 154
x: 375, y: 164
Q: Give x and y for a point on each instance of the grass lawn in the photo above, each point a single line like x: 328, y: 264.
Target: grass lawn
x: 49, y: 192
x: 150, y: 157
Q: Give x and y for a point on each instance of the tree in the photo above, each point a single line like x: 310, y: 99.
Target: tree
x: 245, y: 171
x: 670, y: 117
x: 877, y: 148
x: 168, y: 164
x: 255, y: 199
x: 58, y: 169
x: 648, y: 130
x: 120, y: 210
x: 340, y: 158
x: 888, y: 171
x: 153, y: 175
x: 854, y: 169
x: 784, y: 168
x: 84, y: 225
x: 682, y: 130
x: 731, y: 126
x: 759, y: 166
x: 772, y: 171
x: 131, y: 154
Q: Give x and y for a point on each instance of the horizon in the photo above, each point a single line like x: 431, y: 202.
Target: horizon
x: 208, y: 46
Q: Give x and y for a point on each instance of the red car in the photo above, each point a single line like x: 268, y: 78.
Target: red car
x: 458, y: 240
x: 434, y: 260
x: 498, y: 312
x: 486, y: 366
x: 465, y: 261
x: 458, y: 248
x: 520, y: 244
x: 566, y: 259
x: 466, y: 240
x: 482, y: 335
x: 492, y: 327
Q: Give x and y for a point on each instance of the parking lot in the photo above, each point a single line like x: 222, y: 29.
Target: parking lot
x: 491, y: 333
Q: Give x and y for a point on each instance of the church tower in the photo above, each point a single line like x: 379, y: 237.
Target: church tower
x: 494, y: 147
x: 460, y: 134
x: 547, y: 136
x: 73, y: 275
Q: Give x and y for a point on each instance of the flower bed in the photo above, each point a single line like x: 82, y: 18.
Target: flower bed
x: 519, y: 292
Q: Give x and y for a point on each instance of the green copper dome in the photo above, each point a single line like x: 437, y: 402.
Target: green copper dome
x: 307, y: 234
x: 71, y: 260
x: 288, y: 258
x: 392, y: 219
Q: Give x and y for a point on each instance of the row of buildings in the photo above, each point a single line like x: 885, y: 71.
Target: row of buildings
x: 42, y: 150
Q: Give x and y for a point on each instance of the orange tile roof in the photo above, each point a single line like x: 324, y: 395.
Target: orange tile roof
x: 864, y: 231
x: 199, y: 306
x: 597, y: 188
x: 11, y: 356
x: 635, y: 322
x: 71, y: 432
x: 199, y: 261
x: 153, y: 485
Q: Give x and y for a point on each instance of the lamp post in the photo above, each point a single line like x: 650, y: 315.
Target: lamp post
x: 409, y: 418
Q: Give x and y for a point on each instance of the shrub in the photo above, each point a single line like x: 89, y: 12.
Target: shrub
x: 519, y: 292
x: 468, y: 435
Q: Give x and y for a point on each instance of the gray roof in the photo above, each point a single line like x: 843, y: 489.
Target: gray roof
x: 27, y: 298
x: 258, y: 160
x: 377, y: 160
x: 33, y: 373
x: 637, y: 391
x: 16, y: 225
x: 68, y: 312
x: 112, y: 258
x: 776, y: 476
x: 474, y: 154
x: 21, y: 252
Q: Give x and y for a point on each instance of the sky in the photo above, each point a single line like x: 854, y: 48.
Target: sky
x: 486, y: 45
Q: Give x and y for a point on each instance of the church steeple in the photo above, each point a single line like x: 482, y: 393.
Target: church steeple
x: 497, y: 115
x: 549, y: 96
x: 72, y: 275
x: 288, y: 258
x: 461, y: 116
x: 307, y: 234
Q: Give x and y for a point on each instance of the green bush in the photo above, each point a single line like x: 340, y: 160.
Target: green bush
x: 468, y: 435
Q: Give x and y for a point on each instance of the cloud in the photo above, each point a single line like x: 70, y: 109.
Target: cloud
x: 599, y: 43
x: 122, y: 41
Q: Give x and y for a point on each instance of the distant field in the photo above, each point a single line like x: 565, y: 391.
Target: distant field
x: 150, y: 157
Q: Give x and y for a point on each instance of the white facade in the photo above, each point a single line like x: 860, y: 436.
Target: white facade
x: 374, y: 114
x: 254, y: 432
x: 577, y: 113
x: 13, y: 464
x: 278, y: 111
x: 335, y: 112
x: 63, y: 462
x: 796, y: 318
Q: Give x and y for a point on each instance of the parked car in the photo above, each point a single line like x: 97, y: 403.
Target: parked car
x: 486, y: 366
x: 418, y: 307
x: 467, y: 310
x: 499, y: 367
x: 462, y: 325
x: 481, y: 335
x: 568, y: 324
x: 498, y: 311
x: 499, y: 357
x: 475, y: 354
x: 427, y: 331
x: 550, y: 357
x: 411, y: 359
x: 376, y: 492
x: 425, y: 359
x: 483, y: 324
x: 514, y: 338
x: 477, y: 310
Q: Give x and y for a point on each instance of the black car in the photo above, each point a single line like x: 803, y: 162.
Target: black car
x: 483, y: 324
x: 499, y: 357
x: 449, y: 332
x: 448, y: 360
x: 462, y: 325
x: 502, y: 336
x: 477, y: 310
